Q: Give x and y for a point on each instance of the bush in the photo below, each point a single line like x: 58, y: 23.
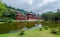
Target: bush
x: 54, y: 31
x: 22, y: 32
x: 46, y: 27
x: 58, y: 28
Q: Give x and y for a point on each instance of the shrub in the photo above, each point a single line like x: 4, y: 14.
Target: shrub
x: 58, y: 28
x: 46, y: 27
x: 54, y: 31
x: 22, y: 32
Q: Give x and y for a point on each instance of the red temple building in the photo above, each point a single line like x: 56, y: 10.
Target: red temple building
x: 28, y: 16
x: 20, y: 16
x: 31, y: 16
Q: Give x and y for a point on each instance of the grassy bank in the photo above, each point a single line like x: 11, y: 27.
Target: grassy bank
x: 31, y: 33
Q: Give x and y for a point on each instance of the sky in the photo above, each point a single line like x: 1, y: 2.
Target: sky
x: 36, y: 6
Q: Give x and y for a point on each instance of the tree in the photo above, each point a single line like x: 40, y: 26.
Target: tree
x: 48, y: 16
x: 2, y: 8
x: 51, y: 16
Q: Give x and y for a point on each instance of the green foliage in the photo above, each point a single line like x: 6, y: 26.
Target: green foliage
x: 46, y: 27
x: 58, y: 29
x: 54, y: 31
x: 2, y: 8
x: 51, y: 16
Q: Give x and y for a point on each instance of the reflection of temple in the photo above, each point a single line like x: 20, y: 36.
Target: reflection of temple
x: 28, y: 16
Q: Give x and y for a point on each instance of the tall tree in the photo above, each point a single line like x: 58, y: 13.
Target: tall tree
x: 2, y: 8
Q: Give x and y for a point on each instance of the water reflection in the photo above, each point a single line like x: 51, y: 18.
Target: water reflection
x: 25, y: 28
x: 32, y: 28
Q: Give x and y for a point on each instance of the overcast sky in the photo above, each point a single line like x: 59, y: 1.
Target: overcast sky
x: 37, y: 6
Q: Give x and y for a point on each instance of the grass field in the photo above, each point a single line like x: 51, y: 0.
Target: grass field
x: 31, y: 33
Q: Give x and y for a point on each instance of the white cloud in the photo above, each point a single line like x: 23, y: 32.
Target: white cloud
x: 18, y: 1
x: 31, y: 5
x: 30, y: 2
x: 42, y: 4
x: 45, y: 2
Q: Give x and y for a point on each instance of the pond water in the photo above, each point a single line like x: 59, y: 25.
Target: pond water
x: 25, y: 28
x: 16, y: 26
x: 32, y: 28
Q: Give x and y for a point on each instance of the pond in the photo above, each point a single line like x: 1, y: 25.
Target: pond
x: 32, y: 28
x: 7, y: 27
x: 25, y: 28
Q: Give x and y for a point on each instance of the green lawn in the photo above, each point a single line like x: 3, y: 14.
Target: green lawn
x: 31, y: 33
